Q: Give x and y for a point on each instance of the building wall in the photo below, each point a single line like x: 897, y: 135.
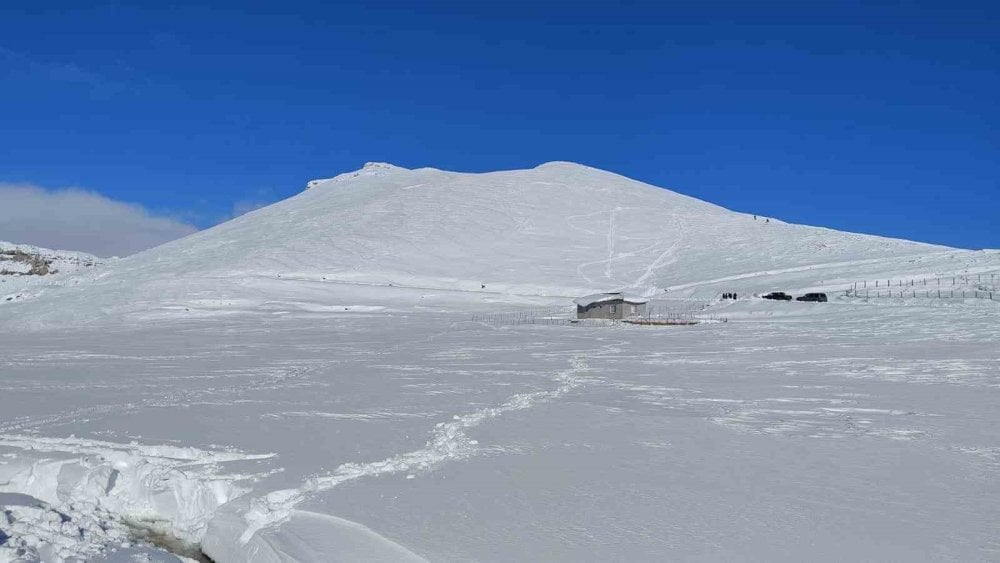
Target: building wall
x: 611, y: 310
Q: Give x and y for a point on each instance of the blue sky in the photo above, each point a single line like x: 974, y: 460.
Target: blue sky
x: 871, y: 117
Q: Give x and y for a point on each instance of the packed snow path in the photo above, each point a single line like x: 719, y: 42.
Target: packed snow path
x: 794, y: 431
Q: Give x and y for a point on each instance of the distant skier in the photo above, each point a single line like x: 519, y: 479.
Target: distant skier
x: 754, y: 217
x: 768, y: 220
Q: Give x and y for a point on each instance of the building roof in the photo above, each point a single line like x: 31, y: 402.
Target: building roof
x: 589, y: 300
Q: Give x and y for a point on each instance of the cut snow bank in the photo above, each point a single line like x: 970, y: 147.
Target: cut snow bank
x: 92, y: 494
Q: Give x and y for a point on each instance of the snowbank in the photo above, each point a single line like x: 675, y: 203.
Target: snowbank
x: 90, y: 494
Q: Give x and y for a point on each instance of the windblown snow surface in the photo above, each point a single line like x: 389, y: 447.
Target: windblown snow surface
x: 331, y: 379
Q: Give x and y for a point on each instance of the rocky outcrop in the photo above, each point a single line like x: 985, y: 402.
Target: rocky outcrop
x: 25, y: 264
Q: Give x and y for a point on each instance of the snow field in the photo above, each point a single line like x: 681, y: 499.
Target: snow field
x: 304, y: 383
x: 450, y: 440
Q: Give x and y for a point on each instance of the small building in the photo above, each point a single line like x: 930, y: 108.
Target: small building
x: 615, y: 305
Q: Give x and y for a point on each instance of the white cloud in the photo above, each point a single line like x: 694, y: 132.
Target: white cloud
x: 75, y: 219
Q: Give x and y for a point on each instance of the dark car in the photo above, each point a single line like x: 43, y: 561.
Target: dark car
x: 778, y: 296
x: 817, y: 297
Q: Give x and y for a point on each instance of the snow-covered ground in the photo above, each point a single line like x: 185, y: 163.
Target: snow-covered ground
x: 27, y: 271
x: 835, y: 431
x: 307, y: 383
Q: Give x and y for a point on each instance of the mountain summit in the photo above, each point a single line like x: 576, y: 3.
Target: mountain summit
x: 385, y: 234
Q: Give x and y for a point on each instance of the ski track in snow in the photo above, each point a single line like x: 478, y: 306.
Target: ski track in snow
x: 611, y: 243
x: 582, y: 267
x: 661, y: 261
x: 777, y: 271
x: 448, y: 442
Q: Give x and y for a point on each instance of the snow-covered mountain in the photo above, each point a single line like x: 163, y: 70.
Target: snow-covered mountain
x: 388, y: 236
x: 217, y: 415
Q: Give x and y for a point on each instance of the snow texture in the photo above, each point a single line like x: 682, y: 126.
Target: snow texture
x: 314, y: 381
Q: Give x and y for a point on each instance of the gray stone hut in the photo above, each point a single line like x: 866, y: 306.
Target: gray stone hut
x: 616, y: 305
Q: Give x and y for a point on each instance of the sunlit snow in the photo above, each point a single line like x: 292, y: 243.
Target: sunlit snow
x: 330, y: 378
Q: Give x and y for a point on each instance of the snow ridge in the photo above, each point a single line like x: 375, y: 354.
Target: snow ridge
x: 369, y: 169
x: 104, y: 489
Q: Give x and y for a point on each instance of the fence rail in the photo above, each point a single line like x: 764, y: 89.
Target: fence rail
x: 983, y: 282
x: 926, y: 293
x: 964, y: 286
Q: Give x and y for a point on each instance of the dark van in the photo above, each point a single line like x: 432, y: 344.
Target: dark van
x: 816, y: 297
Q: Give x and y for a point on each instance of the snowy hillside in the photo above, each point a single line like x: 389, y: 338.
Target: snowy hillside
x: 27, y: 271
x: 385, y: 236
x: 558, y: 229
x: 335, y: 378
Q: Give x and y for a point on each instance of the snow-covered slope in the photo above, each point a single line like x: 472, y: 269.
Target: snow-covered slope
x: 27, y: 271
x: 388, y: 236
x: 558, y: 229
x: 426, y: 432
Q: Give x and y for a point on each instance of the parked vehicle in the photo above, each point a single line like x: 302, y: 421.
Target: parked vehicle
x: 778, y: 296
x: 817, y: 297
